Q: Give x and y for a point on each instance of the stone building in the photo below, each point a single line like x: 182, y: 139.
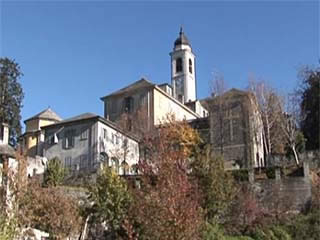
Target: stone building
x: 157, y: 101
x: 236, y: 129
x: 86, y: 141
x: 154, y: 102
x: 32, y: 138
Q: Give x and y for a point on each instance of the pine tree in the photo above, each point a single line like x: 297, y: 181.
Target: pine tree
x: 11, y: 96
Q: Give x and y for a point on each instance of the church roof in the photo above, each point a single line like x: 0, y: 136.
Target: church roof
x: 142, y: 83
x: 182, y: 39
x: 46, y: 114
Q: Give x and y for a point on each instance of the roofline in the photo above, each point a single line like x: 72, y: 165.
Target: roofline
x: 41, y: 118
x: 176, y: 101
x: 240, y: 91
x: 96, y: 117
x: 155, y: 86
x: 113, y: 125
x: 117, y: 91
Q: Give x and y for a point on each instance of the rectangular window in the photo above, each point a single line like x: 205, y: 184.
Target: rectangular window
x: 105, y: 134
x: 84, y: 134
x: 125, y: 143
x: 67, y: 162
x: 128, y: 104
x: 53, y: 139
x: 113, y: 107
x: 83, y: 161
x: 142, y: 99
x: 69, y: 136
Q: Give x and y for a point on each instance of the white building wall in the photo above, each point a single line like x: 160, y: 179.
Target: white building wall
x: 91, y: 147
x: 189, y: 82
x: 112, y: 143
x: 164, y: 105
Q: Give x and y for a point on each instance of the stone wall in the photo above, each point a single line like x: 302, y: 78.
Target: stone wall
x: 285, y: 194
x: 288, y: 194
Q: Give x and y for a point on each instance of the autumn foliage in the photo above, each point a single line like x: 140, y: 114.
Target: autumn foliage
x: 166, y: 205
x: 50, y: 210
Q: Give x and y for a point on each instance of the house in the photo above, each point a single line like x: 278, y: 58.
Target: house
x: 236, y: 129
x: 33, y: 137
x: 83, y: 143
x: 154, y: 102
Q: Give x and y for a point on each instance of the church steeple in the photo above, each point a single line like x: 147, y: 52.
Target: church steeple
x: 183, y: 69
x: 181, y: 40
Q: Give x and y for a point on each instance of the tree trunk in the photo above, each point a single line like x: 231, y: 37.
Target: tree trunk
x: 268, y: 134
x: 265, y: 143
x: 295, y: 154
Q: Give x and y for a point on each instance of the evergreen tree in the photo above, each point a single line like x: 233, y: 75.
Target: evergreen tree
x: 111, y: 200
x: 11, y: 96
x: 310, y: 94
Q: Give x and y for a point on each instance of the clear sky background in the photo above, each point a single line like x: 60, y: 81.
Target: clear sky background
x: 74, y: 52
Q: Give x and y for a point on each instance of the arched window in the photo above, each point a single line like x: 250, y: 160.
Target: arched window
x: 190, y: 65
x: 104, y: 158
x: 134, y: 169
x: 125, y: 167
x: 115, y: 164
x: 179, y: 65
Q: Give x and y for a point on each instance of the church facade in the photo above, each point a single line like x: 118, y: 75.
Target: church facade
x: 156, y: 101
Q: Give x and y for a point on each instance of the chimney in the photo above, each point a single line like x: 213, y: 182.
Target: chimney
x: 4, y: 133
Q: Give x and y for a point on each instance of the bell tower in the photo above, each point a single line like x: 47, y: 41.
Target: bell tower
x: 183, y: 79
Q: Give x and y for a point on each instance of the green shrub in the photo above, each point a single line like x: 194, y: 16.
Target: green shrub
x: 271, y: 172
x: 240, y: 175
x: 271, y: 233
x: 239, y: 238
x: 305, y: 226
x: 280, y: 233
x: 213, y: 232
x: 55, y: 173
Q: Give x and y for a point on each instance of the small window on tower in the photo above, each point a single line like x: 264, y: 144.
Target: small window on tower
x: 128, y: 104
x: 179, y: 65
x: 190, y: 66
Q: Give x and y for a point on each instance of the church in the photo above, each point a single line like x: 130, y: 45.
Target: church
x: 157, y: 101
x: 230, y: 123
x: 237, y: 137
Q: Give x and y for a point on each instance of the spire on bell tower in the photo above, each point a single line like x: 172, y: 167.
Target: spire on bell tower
x: 183, y: 69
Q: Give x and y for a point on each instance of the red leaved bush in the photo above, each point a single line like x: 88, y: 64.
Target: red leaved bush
x: 50, y: 210
x: 166, y: 206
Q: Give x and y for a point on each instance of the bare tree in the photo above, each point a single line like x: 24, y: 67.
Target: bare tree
x: 290, y: 120
x: 270, y: 108
x: 218, y: 85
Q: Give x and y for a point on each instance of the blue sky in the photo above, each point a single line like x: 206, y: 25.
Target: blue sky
x: 74, y: 52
